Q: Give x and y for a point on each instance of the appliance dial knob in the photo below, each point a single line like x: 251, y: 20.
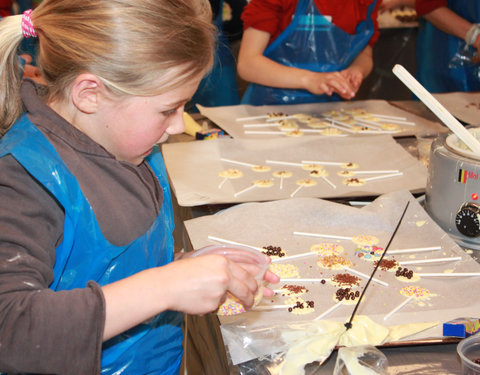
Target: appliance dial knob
x: 467, y: 220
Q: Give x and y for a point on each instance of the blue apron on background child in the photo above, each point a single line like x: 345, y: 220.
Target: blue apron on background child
x: 153, y: 347
x: 219, y: 87
x: 310, y: 42
x: 436, y: 70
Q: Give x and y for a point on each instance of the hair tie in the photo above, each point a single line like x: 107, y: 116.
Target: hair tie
x: 27, y: 25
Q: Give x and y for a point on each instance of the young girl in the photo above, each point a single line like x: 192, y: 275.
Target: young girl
x: 303, y: 51
x: 87, y: 282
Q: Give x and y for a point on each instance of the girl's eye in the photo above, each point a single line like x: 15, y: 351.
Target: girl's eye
x: 170, y: 112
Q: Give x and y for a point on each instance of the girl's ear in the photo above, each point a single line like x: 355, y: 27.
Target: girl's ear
x: 87, y: 93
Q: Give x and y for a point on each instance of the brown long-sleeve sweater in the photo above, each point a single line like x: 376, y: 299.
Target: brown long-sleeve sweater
x: 42, y: 331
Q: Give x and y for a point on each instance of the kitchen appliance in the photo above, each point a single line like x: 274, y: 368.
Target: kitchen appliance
x: 452, y: 195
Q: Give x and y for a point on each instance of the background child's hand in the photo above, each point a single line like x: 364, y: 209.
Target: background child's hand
x: 354, y: 76
x: 328, y: 83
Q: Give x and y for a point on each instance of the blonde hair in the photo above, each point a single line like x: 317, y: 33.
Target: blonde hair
x: 131, y: 45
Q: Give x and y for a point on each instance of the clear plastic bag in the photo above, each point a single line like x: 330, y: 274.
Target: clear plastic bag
x: 364, y: 359
x: 281, y: 348
x: 464, y: 56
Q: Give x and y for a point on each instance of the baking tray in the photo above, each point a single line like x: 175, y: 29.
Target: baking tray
x: 465, y: 106
x: 273, y: 223
x: 226, y: 117
x: 194, y: 167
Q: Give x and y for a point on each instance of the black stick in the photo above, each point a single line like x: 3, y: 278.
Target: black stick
x: 349, y: 324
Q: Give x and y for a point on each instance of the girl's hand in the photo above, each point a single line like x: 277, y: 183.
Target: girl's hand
x: 270, y: 278
x: 199, y: 285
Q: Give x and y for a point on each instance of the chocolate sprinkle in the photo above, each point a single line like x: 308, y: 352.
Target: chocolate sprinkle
x: 274, y: 251
x: 346, y: 279
x: 347, y: 294
x: 387, y: 264
x: 405, y: 272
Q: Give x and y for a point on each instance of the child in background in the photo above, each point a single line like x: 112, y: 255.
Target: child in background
x: 303, y: 51
x: 87, y: 282
x: 453, y: 25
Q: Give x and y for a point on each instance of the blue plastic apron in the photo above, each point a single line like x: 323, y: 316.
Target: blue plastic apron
x: 153, y: 347
x: 436, y: 49
x: 219, y: 87
x: 310, y: 42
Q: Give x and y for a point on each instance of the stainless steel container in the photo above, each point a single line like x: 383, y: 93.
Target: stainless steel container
x: 452, y: 196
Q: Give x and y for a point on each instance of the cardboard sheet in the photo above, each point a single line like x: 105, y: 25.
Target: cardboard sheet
x: 225, y: 117
x: 193, y: 168
x: 273, y: 223
x: 465, y: 106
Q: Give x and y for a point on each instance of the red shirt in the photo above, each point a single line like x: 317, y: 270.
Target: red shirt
x: 426, y: 6
x: 273, y: 16
x: 5, y: 8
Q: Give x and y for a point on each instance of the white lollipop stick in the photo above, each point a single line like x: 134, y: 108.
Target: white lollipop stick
x: 383, y: 176
x: 281, y: 182
x: 286, y: 117
x: 286, y: 280
x: 311, y: 130
x: 414, y: 250
x: 391, y: 171
x: 452, y: 274
x: 389, y: 117
x: 249, y: 118
x: 379, y: 131
x: 253, y: 186
x: 329, y: 182
x: 325, y: 313
x: 368, y: 124
x: 270, y: 307
x: 321, y: 235
x: 218, y: 239
x: 365, y: 276
x: 297, y: 190
x: 398, y: 307
x: 237, y: 162
x: 392, y: 121
x: 281, y: 259
x: 435, y: 106
x: 221, y: 183
x: 342, y: 128
x: 424, y: 261
x: 264, y: 132
x: 333, y: 121
x: 324, y: 162
x: 283, y: 163
x: 304, y: 130
x: 400, y: 122
x: 261, y: 125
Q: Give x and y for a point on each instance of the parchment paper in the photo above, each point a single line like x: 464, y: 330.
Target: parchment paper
x: 193, y: 168
x: 225, y: 117
x: 465, y: 106
x: 273, y: 223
